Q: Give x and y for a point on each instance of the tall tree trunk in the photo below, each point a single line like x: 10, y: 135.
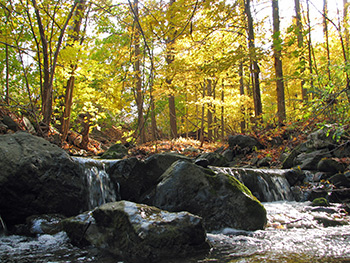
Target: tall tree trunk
x: 325, y: 32
x: 281, y: 108
x: 300, y: 46
x: 309, y: 45
x: 75, y: 36
x: 255, y: 70
x: 138, y: 80
x: 347, y: 43
x: 7, y: 99
x: 170, y: 57
x: 202, y: 118
x: 222, y: 110
x: 241, y: 91
x: 209, y: 110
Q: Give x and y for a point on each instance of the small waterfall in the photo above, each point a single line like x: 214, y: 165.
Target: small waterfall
x: 265, y: 184
x: 3, y: 228
x: 100, y: 188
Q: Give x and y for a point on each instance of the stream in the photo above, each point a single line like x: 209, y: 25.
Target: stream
x: 292, y: 235
x: 295, y: 232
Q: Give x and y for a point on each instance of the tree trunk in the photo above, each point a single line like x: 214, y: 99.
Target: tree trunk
x: 138, y: 80
x: 241, y: 91
x: 309, y: 45
x: 49, y: 69
x: 222, y: 111
x: 202, y: 119
x: 170, y: 59
x: 281, y: 108
x: 325, y: 31
x: 255, y: 70
x: 68, y: 99
x: 209, y: 110
x: 7, y: 99
x: 300, y: 46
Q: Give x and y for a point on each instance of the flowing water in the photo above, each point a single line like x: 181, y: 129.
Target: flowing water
x: 296, y: 231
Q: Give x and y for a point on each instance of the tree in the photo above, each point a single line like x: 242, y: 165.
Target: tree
x: 254, y: 66
x: 325, y: 32
x: 299, y: 31
x: 75, y: 38
x: 137, y: 74
x: 170, y: 56
x: 277, y: 47
x: 49, y: 63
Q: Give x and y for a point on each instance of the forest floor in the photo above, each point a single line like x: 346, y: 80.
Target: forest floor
x: 276, y: 140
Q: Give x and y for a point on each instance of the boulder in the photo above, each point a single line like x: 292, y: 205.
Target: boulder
x: 331, y: 165
x: 116, y: 151
x: 309, y: 161
x: 137, y: 178
x: 320, y: 139
x: 243, y: 142
x: 138, y: 233
x: 214, y: 159
x: 38, y: 177
x: 220, y: 199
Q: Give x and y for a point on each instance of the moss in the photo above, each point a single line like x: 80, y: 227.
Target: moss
x: 321, y: 201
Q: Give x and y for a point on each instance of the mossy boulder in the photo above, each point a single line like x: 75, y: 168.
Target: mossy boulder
x: 116, y: 151
x: 220, y: 199
x: 321, y: 201
x: 138, y: 233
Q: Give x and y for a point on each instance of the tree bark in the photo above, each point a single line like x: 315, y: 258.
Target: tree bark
x: 209, y: 110
x: 138, y: 80
x: 68, y: 99
x: 281, y: 108
x: 241, y: 91
x: 254, y: 66
x: 170, y: 57
x: 299, y: 32
x: 309, y: 44
x: 325, y: 32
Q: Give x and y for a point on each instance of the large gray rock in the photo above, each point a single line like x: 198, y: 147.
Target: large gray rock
x: 243, y: 142
x: 136, y: 178
x: 38, y: 177
x: 220, y: 199
x: 138, y: 233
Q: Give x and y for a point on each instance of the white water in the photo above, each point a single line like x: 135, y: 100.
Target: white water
x: 100, y: 188
x: 292, y: 235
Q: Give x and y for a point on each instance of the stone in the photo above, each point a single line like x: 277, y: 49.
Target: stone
x: 321, y: 201
x: 139, y: 233
x: 220, y: 199
x: 320, y: 139
x: 214, y: 159
x: 340, y: 181
x: 137, y: 178
x: 243, y: 142
x: 330, y: 165
x: 309, y: 161
x: 116, y: 151
x: 38, y: 177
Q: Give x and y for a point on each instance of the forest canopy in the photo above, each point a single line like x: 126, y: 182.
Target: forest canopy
x: 166, y: 68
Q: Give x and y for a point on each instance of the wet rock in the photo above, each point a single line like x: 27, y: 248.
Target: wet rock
x: 10, y: 123
x: 129, y: 175
x: 45, y: 224
x: 243, y: 142
x: 139, y: 233
x: 38, y: 177
x: 343, y: 150
x: 331, y: 166
x: 288, y: 161
x: 116, y: 151
x: 321, y: 201
x: 294, y: 177
x: 202, y: 162
x: 309, y: 161
x: 137, y: 178
x: 220, y: 199
x: 214, y: 159
x: 329, y: 221
x: 264, y: 162
x: 340, y: 180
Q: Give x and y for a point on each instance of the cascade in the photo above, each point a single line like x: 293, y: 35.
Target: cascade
x: 267, y: 185
x: 101, y: 189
